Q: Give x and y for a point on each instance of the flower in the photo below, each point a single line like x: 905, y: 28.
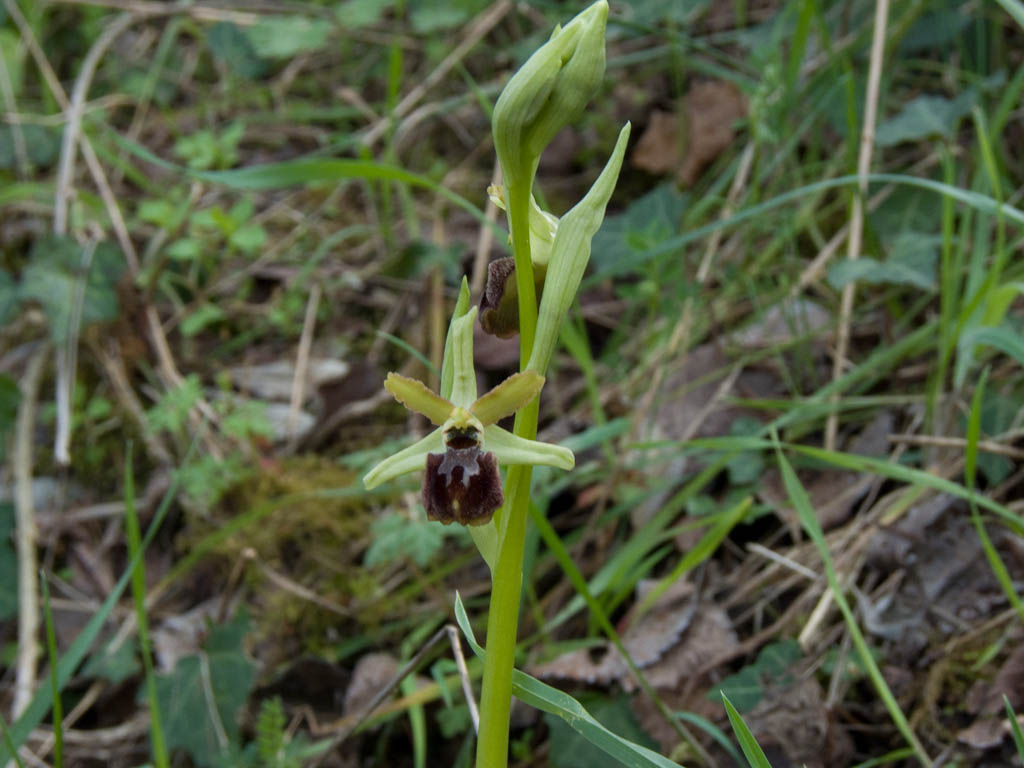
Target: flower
x: 461, y: 457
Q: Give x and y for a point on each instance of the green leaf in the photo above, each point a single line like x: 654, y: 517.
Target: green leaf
x: 531, y: 691
x: 569, y: 749
x: 8, y: 563
x: 202, y: 697
x: 172, y: 410
x: 876, y: 272
x: 751, y: 749
x: 924, y: 116
x: 747, y: 687
x: 623, y: 240
x: 115, y: 666
x: 41, y: 145
x: 186, y: 249
x: 396, y: 537
x: 281, y: 37
x: 232, y: 46
x: 53, y: 278
x: 204, y: 315
x: 1018, y: 736
x: 8, y: 297
x: 357, y: 14
x: 248, y: 238
x: 10, y: 396
x: 429, y: 16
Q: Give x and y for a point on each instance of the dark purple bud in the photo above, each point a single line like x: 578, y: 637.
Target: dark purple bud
x: 462, y: 484
x: 499, y: 306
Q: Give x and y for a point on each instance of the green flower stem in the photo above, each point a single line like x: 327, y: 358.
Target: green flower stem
x: 519, y: 223
x: 507, y: 575
x: 503, y: 626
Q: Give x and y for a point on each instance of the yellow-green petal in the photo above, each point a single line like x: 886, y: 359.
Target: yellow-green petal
x: 513, y: 393
x: 416, y: 396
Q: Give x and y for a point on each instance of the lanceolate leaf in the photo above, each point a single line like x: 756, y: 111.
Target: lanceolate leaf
x: 547, y: 699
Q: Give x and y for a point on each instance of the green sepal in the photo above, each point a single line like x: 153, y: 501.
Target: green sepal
x: 571, y: 253
x: 463, y: 373
x: 406, y: 460
x: 511, y: 449
x: 447, y: 373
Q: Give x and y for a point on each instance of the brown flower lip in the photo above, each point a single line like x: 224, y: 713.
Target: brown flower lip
x: 462, y: 484
x: 499, y: 305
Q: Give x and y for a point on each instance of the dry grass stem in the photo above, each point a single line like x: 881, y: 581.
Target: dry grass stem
x: 867, y: 143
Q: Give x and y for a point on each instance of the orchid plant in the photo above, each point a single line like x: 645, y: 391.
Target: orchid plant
x: 461, y: 459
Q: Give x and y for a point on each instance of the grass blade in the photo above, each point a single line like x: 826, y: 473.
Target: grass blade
x: 802, y: 504
x: 58, y: 705
x: 995, y: 562
x: 131, y: 524
x: 43, y: 700
x: 1018, y: 736
x: 751, y: 749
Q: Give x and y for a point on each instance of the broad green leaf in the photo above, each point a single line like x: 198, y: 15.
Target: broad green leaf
x: 924, y: 116
x: 232, y: 46
x: 54, y: 278
x: 201, y: 698
x: 281, y: 37
x: 531, y: 691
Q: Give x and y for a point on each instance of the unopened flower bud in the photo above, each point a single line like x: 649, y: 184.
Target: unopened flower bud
x: 549, y: 92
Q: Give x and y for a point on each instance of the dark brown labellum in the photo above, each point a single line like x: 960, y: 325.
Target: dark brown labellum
x: 462, y: 484
x: 499, y: 306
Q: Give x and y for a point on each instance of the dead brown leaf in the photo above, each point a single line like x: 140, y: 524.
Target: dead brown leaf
x: 686, y: 143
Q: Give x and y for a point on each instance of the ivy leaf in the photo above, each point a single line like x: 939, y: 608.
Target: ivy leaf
x: 201, y: 699
x: 53, y: 279
x: 747, y: 687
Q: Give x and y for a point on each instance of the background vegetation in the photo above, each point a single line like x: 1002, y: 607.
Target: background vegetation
x: 796, y: 411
